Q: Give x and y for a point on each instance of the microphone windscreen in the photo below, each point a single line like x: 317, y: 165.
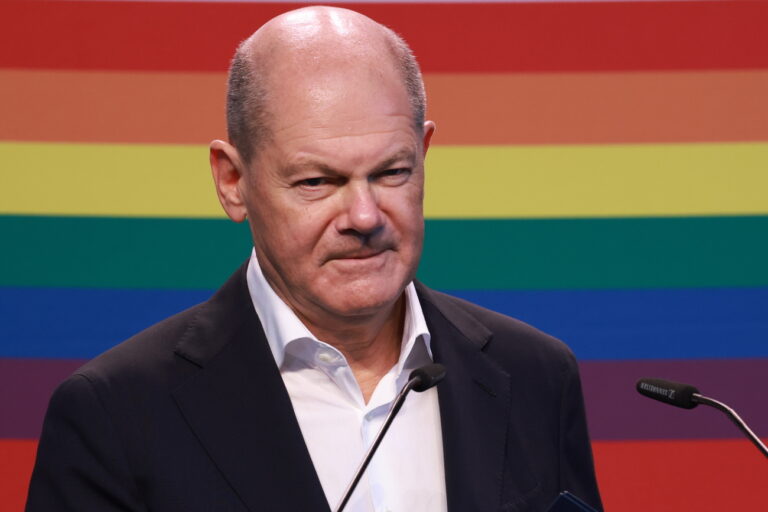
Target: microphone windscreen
x: 427, y: 376
x: 673, y: 393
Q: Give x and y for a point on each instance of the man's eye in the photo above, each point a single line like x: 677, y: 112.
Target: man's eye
x: 396, y: 172
x: 395, y: 176
x: 313, y: 182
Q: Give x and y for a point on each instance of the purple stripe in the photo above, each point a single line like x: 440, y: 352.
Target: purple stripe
x: 25, y: 387
x: 616, y: 411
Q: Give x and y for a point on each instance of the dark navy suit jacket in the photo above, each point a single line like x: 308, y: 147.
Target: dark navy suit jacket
x: 192, y: 415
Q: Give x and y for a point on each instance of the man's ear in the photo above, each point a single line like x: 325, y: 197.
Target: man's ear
x: 429, y: 129
x: 228, y: 170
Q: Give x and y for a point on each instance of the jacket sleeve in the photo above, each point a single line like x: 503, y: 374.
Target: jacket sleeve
x: 81, y: 465
x: 577, y: 471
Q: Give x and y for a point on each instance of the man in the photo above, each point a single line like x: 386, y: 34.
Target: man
x: 265, y: 397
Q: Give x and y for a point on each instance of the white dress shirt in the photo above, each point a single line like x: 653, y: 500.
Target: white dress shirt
x: 406, y: 473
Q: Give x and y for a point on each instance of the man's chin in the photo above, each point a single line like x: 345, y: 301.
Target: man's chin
x: 354, y: 302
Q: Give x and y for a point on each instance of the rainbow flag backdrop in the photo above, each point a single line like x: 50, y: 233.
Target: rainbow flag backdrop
x: 600, y: 170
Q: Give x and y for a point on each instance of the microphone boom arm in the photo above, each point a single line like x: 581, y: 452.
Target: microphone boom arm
x: 396, y: 405
x: 735, y: 418
x: 420, y: 379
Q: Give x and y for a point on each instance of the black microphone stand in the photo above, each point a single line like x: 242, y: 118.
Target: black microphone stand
x: 420, y: 379
x: 398, y: 403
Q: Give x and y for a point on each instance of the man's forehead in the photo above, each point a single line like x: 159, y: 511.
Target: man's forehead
x: 337, y: 97
x: 356, y: 92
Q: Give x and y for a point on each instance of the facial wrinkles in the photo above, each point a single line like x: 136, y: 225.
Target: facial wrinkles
x: 359, y: 214
x: 363, y: 225
x: 343, y: 152
x: 351, y: 122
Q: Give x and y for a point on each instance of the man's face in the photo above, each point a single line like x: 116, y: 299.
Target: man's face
x: 335, y: 195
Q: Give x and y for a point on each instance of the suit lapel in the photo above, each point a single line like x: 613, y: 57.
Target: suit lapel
x: 239, y: 409
x: 476, y: 408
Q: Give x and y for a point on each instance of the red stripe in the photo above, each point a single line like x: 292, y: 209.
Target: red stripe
x: 716, y: 476
x: 16, y: 460
x: 634, y: 476
x: 178, y: 36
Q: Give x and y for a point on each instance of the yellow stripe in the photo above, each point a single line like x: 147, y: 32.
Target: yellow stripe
x: 462, y: 181
x: 598, y: 180
x: 107, y: 180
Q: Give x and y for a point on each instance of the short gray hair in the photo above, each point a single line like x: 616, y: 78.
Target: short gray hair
x: 246, y: 104
x: 247, y: 113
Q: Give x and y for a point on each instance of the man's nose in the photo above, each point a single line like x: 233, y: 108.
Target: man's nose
x: 362, y: 212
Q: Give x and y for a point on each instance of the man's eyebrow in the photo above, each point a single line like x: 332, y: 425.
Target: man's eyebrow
x: 403, y: 154
x: 309, y: 165
x: 319, y: 166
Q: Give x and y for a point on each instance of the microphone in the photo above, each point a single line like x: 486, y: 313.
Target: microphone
x: 688, y: 397
x: 427, y: 376
x: 672, y: 393
x: 420, y: 379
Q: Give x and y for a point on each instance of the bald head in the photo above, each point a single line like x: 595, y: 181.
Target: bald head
x: 315, y: 42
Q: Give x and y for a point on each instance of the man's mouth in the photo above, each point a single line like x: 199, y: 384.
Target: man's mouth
x: 362, y: 254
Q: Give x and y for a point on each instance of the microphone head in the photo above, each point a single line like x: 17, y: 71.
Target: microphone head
x: 427, y: 376
x: 672, y: 393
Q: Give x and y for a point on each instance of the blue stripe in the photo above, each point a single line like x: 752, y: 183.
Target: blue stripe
x: 598, y: 324
x: 688, y: 323
x: 77, y: 323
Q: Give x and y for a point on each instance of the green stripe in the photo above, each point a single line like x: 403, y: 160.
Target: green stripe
x: 597, y: 253
x: 458, y: 254
x: 120, y: 253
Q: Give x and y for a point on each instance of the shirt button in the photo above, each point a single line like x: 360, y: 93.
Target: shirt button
x: 328, y: 357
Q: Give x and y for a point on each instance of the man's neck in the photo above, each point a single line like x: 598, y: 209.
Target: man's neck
x: 371, y: 344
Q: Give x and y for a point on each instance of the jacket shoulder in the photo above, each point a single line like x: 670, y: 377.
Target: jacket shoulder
x: 174, y: 346
x: 147, y: 357
x: 507, y: 339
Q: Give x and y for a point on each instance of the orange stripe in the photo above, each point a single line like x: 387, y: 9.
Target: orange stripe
x: 167, y: 108
x: 568, y: 108
x: 556, y: 108
x: 16, y: 460
x: 706, y: 475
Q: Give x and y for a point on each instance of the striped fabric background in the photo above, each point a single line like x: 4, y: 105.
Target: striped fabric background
x: 599, y: 170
